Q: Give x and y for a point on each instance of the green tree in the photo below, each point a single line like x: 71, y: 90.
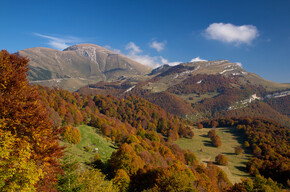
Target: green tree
x: 67, y: 180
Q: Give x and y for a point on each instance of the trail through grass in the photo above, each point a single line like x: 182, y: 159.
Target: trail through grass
x: 202, y: 147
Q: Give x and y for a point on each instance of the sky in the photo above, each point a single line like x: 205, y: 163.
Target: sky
x: 254, y: 33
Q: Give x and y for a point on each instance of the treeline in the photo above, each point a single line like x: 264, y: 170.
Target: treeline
x: 269, y: 142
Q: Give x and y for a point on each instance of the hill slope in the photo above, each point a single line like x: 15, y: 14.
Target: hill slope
x: 78, y: 65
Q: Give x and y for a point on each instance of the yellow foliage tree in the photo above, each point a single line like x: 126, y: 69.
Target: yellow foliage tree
x: 71, y: 134
x: 94, y: 181
x: 17, y: 171
x: 33, y: 140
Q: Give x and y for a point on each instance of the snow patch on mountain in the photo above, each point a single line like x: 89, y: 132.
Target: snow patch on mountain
x: 226, y: 70
x: 130, y: 89
x: 244, y: 103
x: 199, y: 81
x: 276, y: 95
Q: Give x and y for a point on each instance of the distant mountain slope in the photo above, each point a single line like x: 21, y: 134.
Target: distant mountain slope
x: 78, y: 65
x: 201, y: 90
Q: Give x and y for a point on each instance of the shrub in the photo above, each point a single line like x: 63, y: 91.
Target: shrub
x: 199, y: 126
x: 238, y: 150
x: 246, y: 144
x: 221, y: 159
x: 216, y: 141
x: 214, y: 124
x: 211, y: 133
x: 71, y: 134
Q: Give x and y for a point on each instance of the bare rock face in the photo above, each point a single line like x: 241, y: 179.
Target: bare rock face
x: 78, y: 65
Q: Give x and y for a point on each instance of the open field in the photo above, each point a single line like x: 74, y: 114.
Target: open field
x: 196, y: 98
x: 93, y: 140
x: 205, y: 152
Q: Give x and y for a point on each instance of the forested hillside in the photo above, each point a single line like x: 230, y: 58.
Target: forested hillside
x: 34, y: 120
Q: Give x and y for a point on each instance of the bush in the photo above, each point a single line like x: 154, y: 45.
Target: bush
x: 216, y: 141
x: 211, y: 133
x: 246, y: 144
x: 199, y: 126
x: 238, y: 150
x: 221, y: 159
x: 71, y: 134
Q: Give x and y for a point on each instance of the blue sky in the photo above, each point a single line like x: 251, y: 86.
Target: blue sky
x: 254, y: 33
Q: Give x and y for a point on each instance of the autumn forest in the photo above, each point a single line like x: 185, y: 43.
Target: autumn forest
x: 39, y: 126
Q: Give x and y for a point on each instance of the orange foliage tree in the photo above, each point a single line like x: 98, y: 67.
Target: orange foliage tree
x: 221, y: 159
x: 26, y: 119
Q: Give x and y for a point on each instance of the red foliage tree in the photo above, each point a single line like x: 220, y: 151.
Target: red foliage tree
x: 27, y: 118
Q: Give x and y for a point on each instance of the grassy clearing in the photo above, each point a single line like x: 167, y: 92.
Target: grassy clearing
x: 205, y: 152
x: 196, y: 98
x: 92, y: 140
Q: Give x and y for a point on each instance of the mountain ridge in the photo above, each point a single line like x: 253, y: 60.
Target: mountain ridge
x: 78, y: 65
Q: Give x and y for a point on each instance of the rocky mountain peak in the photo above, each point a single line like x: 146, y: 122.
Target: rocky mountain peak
x: 89, y: 51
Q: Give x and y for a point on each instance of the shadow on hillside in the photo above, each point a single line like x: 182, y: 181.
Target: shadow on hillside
x: 228, y: 153
x: 241, y: 168
x: 113, y: 147
x: 207, y: 143
x: 238, y: 135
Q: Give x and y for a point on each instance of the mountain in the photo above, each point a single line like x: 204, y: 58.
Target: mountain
x: 79, y: 65
x: 206, y: 89
x: 196, y: 90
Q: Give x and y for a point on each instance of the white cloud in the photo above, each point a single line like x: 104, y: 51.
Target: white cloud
x: 197, y: 59
x: 133, y: 48
x: 151, y: 61
x: 159, y: 46
x: 230, y: 33
x: 112, y: 49
x: 165, y: 61
x: 60, y: 43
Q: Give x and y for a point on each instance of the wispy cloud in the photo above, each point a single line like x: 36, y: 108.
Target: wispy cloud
x: 135, y: 53
x: 197, y: 59
x: 159, y: 46
x: 133, y: 48
x: 112, y: 49
x: 230, y: 33
x: 60, y: 42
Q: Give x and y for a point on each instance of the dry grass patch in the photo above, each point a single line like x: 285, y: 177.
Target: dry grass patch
x: 201, y: 145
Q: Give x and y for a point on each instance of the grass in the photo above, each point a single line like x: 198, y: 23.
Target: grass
x: 196, y: 98
x: 205, y: 152
x: 92, y: 140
